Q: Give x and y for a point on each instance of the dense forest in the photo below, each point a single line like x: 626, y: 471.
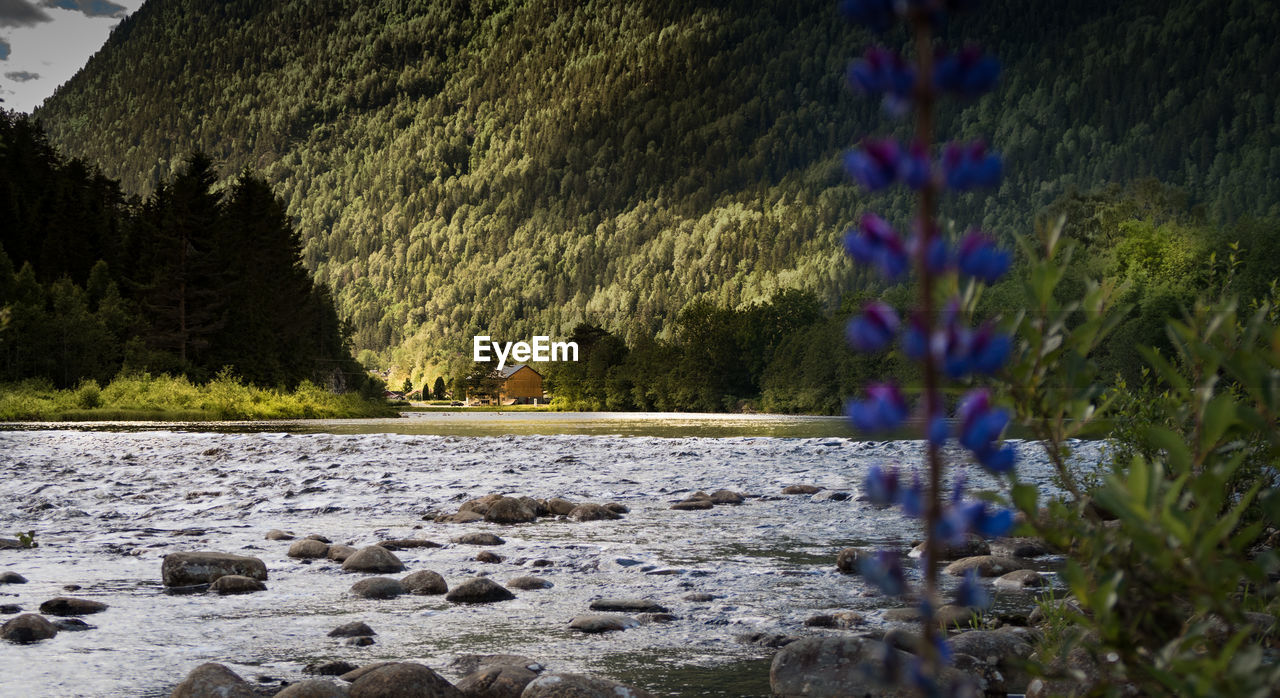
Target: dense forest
x: 519, y: 168
x: 194, y: 280
x: 1144, y: 240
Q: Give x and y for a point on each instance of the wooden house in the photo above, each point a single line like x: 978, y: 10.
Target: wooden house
x: 520, y: 385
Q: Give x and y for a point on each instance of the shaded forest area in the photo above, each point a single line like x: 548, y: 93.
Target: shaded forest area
x: 519, y: 168
x: 192, y: 280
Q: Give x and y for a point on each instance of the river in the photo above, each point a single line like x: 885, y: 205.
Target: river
x: 108, y: 501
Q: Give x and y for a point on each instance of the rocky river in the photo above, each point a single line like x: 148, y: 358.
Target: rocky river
x: 107, y: 503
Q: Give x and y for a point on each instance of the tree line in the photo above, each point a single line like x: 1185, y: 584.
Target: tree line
x: 192, y: 280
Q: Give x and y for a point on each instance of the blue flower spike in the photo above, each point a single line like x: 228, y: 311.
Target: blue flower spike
x: 874, y: 329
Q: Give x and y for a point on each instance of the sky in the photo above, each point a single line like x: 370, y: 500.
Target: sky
x: 44, y: 42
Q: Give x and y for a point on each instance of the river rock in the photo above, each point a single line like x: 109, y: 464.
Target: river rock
x: 1019, y: 579
x: 801, y: 489
x: 277, y: 534
x: 236, y: 584
x: 842, y: 620
x: 1004, y: 650
x: 1020, y: 547
x: 73, y: 625
x: 537, y: 506
x: 377, y: 588
x: 9, y: 608
x: 847, y: 560
x: 692, y: 505
x: 579, y: 686
x: 509, y: 510
x: 403, y: 680
x: 462, y: 517
x: 699, y: 597
x: 357, y: 674
x: 529, y: 583
x: 313, y: 688
x: 26, y: 628
x: 628, y: 606
x: 480, y: 505
x: 355, y: 628
x: 478, y: 539
x: 488, y: 556
x: 11, y: 544
x: 832, y: 496
x: 471, y: 663
x: 727, y: 497
x: 479, y: 590
x: 972, y: 546
x: 373, y: 558
x: 308, y: 549
x: 318, y: 537
x: 496, y: 681
x: 559, y: 507
x: 947, y: 616
x: 827, y: 667
x: 984, y: 566
x: 408, y: 544
x: 12, y: 578
x: 340, y: 553
x: 618, y: 508
x: 67, y: 606
x: 334, y: 668
x: 190, y: 569
x: 213, y: 680
x: 593, y: 512
x: 361, y: 641
x: 602, y: 622
x: 424, y: 583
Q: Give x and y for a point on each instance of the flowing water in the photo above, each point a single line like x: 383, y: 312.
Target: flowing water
x: 108, y: 502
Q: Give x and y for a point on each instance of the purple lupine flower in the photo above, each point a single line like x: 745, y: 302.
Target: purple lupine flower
x: 876, y: 243
x: 911, y: 498
x: 883, y: 72
x: 915, y: 338
x: 989, y: 349
x: 881, y: 486
x: 971, y: 593
x: 884, y: 408
x: 955, y: 340
x: 876, y: 15
x: 978, y: 517
x: 915, y: 167
x: 967, y: 73
x: 876, y: 164
x: 979, y: 257
x: 980, y: 428
x: 874, y: 329
x: 938, y: 430
x: 970, y: 166
x: 937, y: 257
x: 884, y: 570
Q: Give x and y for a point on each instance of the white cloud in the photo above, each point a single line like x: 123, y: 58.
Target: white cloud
x: 54, y: 50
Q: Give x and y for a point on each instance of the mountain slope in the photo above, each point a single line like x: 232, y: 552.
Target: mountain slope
x: 515, y: 167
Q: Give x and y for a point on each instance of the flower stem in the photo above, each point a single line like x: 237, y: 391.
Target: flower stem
x: 924, y: 103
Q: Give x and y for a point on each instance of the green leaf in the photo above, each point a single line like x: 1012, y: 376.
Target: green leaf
x: 1026, y: 498
x: 1175, y: 448
x: 1219, y: 416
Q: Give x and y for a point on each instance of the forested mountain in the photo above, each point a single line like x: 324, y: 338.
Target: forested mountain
x: 507, y: 168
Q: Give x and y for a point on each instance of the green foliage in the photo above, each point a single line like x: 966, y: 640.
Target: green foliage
x: 522, y: 168
x: 28, y: 539
x: 1190, y: 486
x: 142, y: 396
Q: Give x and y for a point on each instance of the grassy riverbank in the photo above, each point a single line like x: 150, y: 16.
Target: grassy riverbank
x: 165, y: 398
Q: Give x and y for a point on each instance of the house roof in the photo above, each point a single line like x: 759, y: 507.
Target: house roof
x: 509, y: 371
